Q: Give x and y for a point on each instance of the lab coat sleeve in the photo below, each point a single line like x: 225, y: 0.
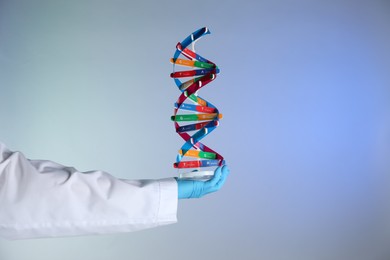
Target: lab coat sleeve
x: 40, y: 198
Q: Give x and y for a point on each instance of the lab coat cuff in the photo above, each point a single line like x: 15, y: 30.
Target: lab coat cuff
x: 168, y: 201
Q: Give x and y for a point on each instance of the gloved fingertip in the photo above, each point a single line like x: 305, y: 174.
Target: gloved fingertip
x: 221, y: 182
x: 225, y: 170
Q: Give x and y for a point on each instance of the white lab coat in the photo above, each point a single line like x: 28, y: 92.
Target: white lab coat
x: 40, y: 198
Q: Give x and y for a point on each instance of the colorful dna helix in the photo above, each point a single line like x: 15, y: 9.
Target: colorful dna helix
x: 198, y: 110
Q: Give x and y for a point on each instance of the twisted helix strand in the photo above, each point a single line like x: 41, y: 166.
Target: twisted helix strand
x: 200, y: 109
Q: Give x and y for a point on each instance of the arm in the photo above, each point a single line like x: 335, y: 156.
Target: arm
x: 40, y: 198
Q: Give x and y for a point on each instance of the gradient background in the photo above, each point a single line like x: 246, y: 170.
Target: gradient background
x: 305, y: 90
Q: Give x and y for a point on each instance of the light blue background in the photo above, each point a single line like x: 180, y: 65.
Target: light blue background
x: 304, y: 89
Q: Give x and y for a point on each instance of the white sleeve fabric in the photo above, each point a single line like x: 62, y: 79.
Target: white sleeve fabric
x: 40, y: 198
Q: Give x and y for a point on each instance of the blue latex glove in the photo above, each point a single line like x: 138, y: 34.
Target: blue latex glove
x: 196, y: 189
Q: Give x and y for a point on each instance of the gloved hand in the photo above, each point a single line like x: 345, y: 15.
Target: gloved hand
x: 196, y: 189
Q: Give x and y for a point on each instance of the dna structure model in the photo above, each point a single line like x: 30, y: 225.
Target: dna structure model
x: 203, y: 115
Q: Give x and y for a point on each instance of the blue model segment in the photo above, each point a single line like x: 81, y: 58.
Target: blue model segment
x: 186, y: 106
